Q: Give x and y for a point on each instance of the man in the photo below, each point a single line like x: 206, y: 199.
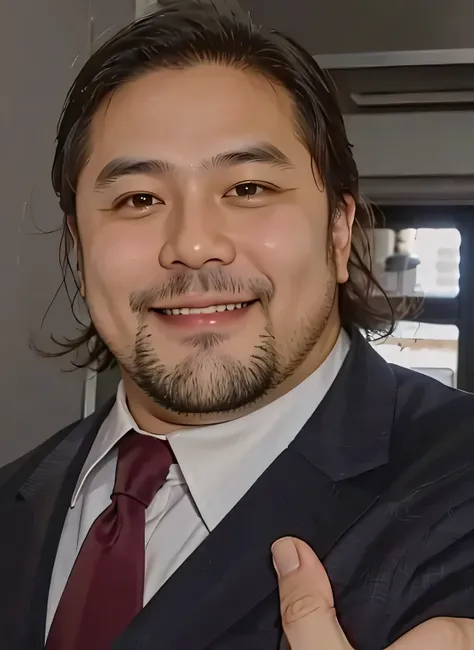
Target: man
x: 212, y: 199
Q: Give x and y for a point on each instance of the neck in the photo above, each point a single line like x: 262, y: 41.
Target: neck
x: 152, y: 418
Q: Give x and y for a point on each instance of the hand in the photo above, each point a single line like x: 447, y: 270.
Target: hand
x: 309, y: 618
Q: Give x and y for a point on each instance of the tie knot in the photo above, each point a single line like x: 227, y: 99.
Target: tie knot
x: 143, y: 464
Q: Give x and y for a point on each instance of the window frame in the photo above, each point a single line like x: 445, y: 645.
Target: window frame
x: 457, y: 311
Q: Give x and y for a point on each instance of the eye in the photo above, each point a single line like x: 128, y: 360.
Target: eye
x: 247, y: 190
x: 140, y: 201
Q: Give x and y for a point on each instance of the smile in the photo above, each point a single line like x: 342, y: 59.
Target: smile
x: 211, y: 309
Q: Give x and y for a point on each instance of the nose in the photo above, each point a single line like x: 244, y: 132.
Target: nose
x: 196, y: 237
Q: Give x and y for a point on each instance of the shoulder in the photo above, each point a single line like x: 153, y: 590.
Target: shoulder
x: 85, y: 428
x: 16, y: 467
x: 432, y: 439
x: 431, y: 501
x: 427, y: 391
x: 429, y: 407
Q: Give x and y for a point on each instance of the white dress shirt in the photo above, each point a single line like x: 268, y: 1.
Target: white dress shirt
x: 217, y: 464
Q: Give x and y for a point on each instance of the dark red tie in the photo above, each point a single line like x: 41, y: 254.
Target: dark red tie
x: 105, y: 589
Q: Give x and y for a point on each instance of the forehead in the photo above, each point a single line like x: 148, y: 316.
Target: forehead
x: 191, y: 114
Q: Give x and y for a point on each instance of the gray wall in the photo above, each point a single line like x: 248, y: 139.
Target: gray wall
x: 143, y: 7
x: 43, y: 44
x: 340, y: 26
x: 413, y: 144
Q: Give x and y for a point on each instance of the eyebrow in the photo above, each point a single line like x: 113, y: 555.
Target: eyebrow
x: 263, y: 153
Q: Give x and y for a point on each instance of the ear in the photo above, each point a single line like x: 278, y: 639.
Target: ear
x: 74, y: 233
x: 342, y: 237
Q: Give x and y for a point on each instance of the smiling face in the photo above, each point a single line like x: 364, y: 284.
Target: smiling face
x: 208, y: 267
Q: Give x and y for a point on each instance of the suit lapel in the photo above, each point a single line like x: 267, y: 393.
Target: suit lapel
x: 231, y: 572
x: 34, y: 515
x: 318, y: 488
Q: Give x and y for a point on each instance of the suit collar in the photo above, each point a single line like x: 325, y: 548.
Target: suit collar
x: 231, y: 572
x: 78, y: 440
x: 349, y: 434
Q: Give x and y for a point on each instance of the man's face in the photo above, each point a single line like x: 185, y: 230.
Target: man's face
x: 208, y: 267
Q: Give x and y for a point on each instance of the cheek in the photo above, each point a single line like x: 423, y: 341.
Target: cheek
x: 120, y: 259
x: 291, y: 248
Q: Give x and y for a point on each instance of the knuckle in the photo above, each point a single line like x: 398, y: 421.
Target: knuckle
x: 298, y: 605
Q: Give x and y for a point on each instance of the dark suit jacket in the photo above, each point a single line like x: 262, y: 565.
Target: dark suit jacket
x: 380, y: 482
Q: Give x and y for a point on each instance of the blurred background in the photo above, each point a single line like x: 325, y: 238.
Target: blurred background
x: 405, y: 72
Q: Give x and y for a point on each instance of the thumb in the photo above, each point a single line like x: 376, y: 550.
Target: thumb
x: 306, y: 599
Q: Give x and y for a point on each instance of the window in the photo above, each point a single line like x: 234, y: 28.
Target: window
x: 431, y: 349
x: 437, y: 275
x: 418, y: 261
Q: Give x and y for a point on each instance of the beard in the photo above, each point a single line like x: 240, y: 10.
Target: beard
x: 208, y: 382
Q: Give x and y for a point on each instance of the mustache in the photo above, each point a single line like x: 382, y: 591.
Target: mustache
x: 202, y: 281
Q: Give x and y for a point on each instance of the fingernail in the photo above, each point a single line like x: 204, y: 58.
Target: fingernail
x: 285, y: 556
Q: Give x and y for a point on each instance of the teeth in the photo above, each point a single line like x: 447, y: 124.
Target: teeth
x: 204, y: 310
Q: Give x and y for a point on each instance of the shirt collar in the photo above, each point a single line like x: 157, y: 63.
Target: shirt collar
x: 221, y: 462
x: 117, y: 424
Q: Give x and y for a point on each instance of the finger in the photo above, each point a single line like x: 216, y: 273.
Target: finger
x: 439, y: 634
x: 306, y: 600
